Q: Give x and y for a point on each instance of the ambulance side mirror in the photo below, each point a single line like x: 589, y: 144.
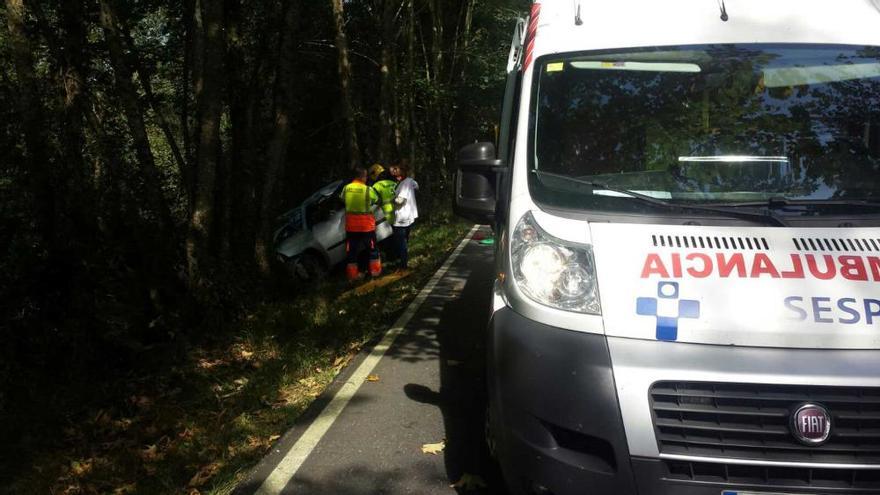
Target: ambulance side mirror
x: 477, y: 179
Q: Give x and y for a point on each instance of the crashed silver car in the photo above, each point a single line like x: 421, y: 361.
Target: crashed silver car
x: 311, y: 238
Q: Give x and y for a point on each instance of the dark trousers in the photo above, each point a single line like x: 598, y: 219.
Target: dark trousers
x: 361, y: 247
x: 401, y: 239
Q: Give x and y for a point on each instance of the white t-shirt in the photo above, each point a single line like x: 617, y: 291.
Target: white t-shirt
x: 408, y: 211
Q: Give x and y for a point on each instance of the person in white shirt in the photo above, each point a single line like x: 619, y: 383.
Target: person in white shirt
x: 406, y: 211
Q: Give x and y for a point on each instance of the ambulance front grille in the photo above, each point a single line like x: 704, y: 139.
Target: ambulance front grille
x: 751, y: 421
x: 836, y: 244
x: 710, y: 242
x: 788, y: 478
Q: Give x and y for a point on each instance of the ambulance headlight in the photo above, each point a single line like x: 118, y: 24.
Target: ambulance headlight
x: 554, y: 272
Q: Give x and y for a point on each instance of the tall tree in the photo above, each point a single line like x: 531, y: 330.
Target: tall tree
x: 411, y: 86
x: 387, y: 91
x: 130, y: 101
x: 209, y: 103
x: 348, y: 114
x: 145, y: 78
x: 191, y: 59
x: 248, y: 55
x: 72, y: 76
x: 280, y: 142
x: 38, y: 172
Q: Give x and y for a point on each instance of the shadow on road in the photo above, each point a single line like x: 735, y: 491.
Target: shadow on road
x: 368, y: 480
x: 357, y: 456
x: 461, y: 347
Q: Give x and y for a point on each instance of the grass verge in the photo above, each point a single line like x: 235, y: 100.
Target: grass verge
x: 199, y: 425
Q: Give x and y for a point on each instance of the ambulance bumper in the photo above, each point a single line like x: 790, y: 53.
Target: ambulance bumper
x: 556, y: 422
x: 554, y: 411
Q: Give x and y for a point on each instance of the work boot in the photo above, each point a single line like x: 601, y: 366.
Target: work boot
x: 375, y: 268
x: 351, y: 272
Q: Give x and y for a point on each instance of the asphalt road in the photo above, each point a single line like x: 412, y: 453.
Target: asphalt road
x: 430, y: 388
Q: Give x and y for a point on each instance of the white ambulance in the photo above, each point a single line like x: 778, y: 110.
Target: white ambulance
x: 686, y: 197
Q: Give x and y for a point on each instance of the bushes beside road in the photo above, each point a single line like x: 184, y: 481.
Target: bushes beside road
x: 196, y: 417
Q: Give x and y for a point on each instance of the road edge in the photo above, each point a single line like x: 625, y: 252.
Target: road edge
x: 275, y: 471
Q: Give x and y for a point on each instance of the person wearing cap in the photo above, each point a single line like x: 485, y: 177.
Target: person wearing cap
x: 360, y: 225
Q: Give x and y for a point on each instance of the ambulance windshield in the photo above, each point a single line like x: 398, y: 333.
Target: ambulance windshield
x: 718, y: 124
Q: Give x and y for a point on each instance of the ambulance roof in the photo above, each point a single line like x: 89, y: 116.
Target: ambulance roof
x: 609, y: 24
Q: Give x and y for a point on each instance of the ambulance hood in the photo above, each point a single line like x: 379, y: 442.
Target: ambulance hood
x: 773, y: 287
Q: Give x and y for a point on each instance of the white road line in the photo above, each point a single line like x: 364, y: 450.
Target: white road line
x: 290, y: 464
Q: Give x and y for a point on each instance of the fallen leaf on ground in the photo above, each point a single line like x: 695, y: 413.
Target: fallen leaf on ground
x: 102, y: 418
x: 207, y: 364
x: 434, y: 448
x: 204, y: 474
x: 141, y: 401
x: 253, y: 441
x: 125, y: 489
x: 151, y: 453
x: 373, y: 378
x: 272, y: 438
x: 78, y: 468
x: 469, y: 481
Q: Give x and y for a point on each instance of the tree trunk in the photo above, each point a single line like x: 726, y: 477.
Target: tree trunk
x: 411, y: 95
x: 38, y: 175
x: 189, y: 62
x: 128, y: 98
x: 437, y: 28
x: 387, y: 83
x: 72, y: 68
x: 280, y: 142
x: 209, y: 104
x: 246, y: 89
x: 76, y: 194
x: 158, y: 111
x: 462, y: 37
x: 348, y: 115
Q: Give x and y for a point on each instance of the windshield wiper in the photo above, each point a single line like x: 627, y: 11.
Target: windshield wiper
x: 779, y: 203
x: 767, y: 218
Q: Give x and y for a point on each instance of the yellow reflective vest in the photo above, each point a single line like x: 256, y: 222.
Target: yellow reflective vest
x: 359, y: 198
x: 386, y: 189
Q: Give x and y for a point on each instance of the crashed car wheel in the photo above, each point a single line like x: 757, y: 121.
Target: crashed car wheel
x: 313, y: 266
x: 295, y: 269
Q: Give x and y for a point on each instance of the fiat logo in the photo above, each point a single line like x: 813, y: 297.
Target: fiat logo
x: 811, y: 424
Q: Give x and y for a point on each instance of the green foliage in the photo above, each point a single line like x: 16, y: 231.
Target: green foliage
x: 207, y: 413
x: 111, y: 291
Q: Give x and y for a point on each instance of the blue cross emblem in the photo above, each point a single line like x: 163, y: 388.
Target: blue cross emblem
x: 667, y: 324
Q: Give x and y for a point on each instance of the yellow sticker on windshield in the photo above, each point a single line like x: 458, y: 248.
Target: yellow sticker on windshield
x: 555, y: 66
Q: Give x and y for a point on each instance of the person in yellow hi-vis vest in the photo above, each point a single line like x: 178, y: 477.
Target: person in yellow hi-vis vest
x: 386, y: 187
x: 360, y: 225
